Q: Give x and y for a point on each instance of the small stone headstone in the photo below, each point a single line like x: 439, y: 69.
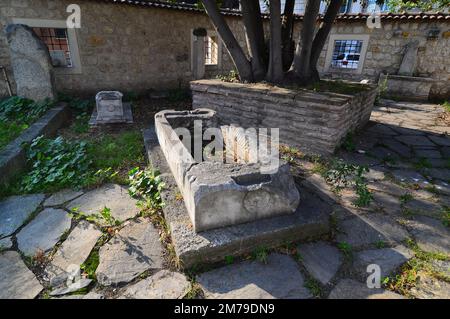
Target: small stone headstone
x: 31, y: 63
x: 109, y: 106
x: 111, y: 109
x: 409, y: 61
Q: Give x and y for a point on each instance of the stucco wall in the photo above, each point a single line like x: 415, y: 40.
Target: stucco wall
x: 132, y: 48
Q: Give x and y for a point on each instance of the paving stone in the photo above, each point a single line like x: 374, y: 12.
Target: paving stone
x: 442, y: 266
x: 114, y: 197
x: 397, y: 147
x: 410, y: 177
x: 135, y: 249
x: 321, y: 260
x: 16, y: 280
x: 414, y: 140
x: 279, y: 278
x: 381, y: 129
x: 89, y: 295
x: 82, y: 283
x: 375, y: 173
x: 62, y: 197
x: 387, y: 187
x: 407, y: 131
x: 6, y: 243
x: 424, y: 207
x: 440, y: 140
x: 427, y: 153
x: 44, y: 231
x: 14, y: 211
x: 442, y: 187
x: 446, y: 152
x: 389, y: 259
x: 430, y: 234
x: 369, y: 229
x: 359, y: 159
x: 390, y: 204
x: 164, y: 284
x: 428, y: 287
x: 351, y: 289
x: 439, y: 173
x: 384, y: 153
x: 73, y: 251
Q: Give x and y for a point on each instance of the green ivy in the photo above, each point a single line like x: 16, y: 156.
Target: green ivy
x: 55, y: 163
x: 146, y: 184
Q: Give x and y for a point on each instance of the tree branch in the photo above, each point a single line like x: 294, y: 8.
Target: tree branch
x: 237, y: 54
x: 254, y: 32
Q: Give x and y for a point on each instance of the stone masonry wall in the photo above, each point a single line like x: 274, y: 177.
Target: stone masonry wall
x: 316, y: 123
x: 122, y: 47
x: 133, y: 48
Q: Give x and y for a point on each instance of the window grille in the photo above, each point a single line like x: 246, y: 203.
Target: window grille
x: 346, y: 54
x: 57, y: 42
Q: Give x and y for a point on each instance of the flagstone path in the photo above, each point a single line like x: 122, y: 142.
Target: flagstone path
x: 43, y: 242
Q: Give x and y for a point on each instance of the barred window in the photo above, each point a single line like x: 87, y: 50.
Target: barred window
x: 211, y: 50
x: 57, y: 42
x: 346, y: 54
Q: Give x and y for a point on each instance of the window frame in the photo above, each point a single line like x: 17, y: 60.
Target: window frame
x: 343, y: 37
x: 71, y: 37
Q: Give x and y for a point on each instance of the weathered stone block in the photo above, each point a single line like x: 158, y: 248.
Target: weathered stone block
x: 31, y: 63
x: 219, y: 194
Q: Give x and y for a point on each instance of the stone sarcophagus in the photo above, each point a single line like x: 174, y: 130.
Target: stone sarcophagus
x: 227, y: 183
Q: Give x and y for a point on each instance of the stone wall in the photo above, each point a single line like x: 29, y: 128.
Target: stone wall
x: 134, y: 48
x: 314, y: 122
x: 122, y: 47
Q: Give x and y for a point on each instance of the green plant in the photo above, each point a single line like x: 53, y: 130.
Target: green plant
x: 348, y: 143
x: 178, y: 95
x: 22, y: 110
x: 55, y: 163
x: 229, y: 260
x: 380, y: 244
x: 314, y: 287
x: 364, y: 195
x: 77, y: 105
x: 146, y: 184
x: 346, y: 249
x: 91, y: 264
x: 232, y: 76
x: 446, y: 216
x: 261, y: 254
x: 407, y: 197
x: 422, y: 163
x: 446, y: 106
x: 382, y: 88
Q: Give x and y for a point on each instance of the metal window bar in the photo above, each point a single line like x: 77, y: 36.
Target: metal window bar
x: 57, y: 42
x: 346, y: 54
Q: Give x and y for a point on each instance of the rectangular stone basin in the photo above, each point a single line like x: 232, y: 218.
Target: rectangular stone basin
x: 218, y: 192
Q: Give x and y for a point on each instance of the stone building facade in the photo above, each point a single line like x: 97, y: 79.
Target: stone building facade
x: 137, y: 47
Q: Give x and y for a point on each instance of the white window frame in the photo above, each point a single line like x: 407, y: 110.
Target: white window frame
x: 219, y: 50
x: 362, y: 57
x: 72, y: 39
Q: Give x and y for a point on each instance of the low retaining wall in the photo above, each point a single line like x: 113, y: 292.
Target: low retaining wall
x: 314, y: 122
x: 409, y: 88
x: 13, y: 157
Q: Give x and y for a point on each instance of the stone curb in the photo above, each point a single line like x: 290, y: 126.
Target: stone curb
x: 13, y: 158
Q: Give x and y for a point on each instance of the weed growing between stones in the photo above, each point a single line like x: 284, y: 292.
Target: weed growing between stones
x: 346, y: 249
x: 260, y: 254
x: 314, y: 287
x: 409, y: 274
x: 341, y: 175
x: 446, y: 216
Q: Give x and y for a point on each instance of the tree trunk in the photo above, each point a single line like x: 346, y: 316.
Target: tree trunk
x: 254, y: 32
x: 287, y: 32
x: 275, y: 72
x: 322, y: 34
x: 302, y: 57
x: 237, y: 54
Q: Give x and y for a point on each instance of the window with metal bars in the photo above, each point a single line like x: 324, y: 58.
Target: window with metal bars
x: 346, y: 54
x: 57, y: 42
x: 211, y: 50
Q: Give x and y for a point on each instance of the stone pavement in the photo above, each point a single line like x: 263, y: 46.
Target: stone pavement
x: 44, y: 241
